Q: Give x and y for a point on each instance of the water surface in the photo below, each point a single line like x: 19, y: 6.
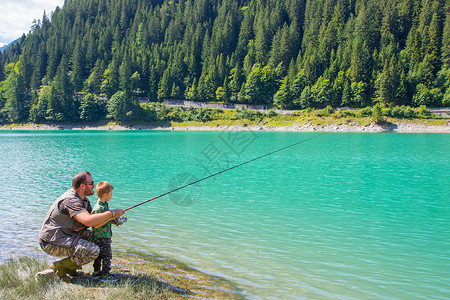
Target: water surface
x: 342, y: 216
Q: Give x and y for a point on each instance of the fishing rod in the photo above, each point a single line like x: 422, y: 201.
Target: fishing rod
x: 223, y: 171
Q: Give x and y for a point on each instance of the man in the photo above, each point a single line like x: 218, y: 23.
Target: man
x: 64, y: 231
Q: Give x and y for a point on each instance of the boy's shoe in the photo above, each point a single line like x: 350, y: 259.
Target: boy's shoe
x: 109, y: 278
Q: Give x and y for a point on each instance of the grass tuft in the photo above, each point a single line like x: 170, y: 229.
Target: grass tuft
x: 141, y: 276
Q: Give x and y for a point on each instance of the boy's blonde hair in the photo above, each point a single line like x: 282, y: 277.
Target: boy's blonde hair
x: 103, y: 187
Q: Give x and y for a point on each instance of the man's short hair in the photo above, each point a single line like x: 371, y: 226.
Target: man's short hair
x: 103, y: 187
x: 79, y: 178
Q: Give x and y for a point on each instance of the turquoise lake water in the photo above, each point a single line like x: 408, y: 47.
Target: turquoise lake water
x: 341, y: 216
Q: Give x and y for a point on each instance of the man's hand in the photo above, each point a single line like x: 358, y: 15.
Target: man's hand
x: 97, y: 220
x: 117, y: 212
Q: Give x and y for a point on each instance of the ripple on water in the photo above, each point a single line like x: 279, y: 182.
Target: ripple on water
x: 350, y: 216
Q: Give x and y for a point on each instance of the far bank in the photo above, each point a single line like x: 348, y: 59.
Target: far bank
x: 286, y: 124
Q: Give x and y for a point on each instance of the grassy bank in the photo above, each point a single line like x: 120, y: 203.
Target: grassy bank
x: 158, y: 116
x: 351, y: 120
x: 140, y: 277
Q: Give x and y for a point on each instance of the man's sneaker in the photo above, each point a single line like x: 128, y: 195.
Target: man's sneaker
x: 97, y: 275
x: 109, y: 278
x: 75, y: 273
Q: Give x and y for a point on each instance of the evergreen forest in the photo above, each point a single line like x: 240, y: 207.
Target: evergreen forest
x: 93, y: 59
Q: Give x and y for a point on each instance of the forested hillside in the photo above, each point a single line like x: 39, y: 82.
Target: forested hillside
x: 93, y: 57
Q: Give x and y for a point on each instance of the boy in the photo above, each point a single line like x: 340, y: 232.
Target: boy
x: 102, y: 234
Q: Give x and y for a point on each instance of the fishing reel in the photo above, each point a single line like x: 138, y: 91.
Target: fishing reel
x: 120, y: 221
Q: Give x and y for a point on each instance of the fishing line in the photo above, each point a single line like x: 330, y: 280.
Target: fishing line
x: 223, y: 171
x: 226, y: 170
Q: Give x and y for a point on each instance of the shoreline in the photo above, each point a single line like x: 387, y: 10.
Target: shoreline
x: 399, y: 127
x: 183, y: 279
x: 150, y: 274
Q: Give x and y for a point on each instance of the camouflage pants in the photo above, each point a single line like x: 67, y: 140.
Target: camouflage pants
x: 104, y: 258
x: 83, y: 253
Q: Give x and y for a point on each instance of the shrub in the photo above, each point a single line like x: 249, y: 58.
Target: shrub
x: 177, y: 114
x: 92, y: 108
x: 425, y: 96
x: 446, y: 98
x: 424, y: 112
x: 402, y: 112
x: 271, y: 113
x: 324, y: 112
x: 377, y: 116
x: 118, y: 106
x: 346, y: 113
x: 365, y: 112
x: 248, y: 114
x: 199, y: 115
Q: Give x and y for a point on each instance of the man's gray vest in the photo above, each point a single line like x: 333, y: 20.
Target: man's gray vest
x: 58, y: 227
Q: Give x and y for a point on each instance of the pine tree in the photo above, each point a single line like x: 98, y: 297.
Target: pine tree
x: 38, y: 112
x: 119, y: 107
x: 94, y: 81
x: 91, y: 108
x: 13, y: 97
x: 282, y: 98
x: 164, y: 88
x: 110, y: 83
x: 435, y: 41
x: 2, y: 68
x: 64, y: 106
x: 299, y: 84
x: 125, y: 72
x: 78, y: 68
x: 236, y: 80
x: 360, y: 61
x: 446, y: 39
x: 388, y: 83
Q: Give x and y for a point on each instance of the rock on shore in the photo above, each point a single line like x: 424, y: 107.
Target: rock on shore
x: 401, y: 127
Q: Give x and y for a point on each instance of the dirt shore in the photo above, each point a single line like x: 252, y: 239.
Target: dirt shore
x: 400, y: 127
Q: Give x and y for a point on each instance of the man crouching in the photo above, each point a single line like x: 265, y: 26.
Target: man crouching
x: 61, y: 234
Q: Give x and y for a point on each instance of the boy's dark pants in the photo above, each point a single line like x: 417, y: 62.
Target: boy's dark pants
x: 104, y: 258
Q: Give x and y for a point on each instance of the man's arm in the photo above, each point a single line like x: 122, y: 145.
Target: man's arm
x: 99, y: 219
x: 103, y: 223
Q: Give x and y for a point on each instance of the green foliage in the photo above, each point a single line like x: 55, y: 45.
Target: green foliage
x: 38, y: 112
x: 327, y: 111
x: 365, y: 112
x: 428, y: 97
x: 424, y: 112
x: 346, y: 113
x: 248, y: 114
x: 92, y: 108
x: 119, y: 107
x: 284, y: 54
x: 260, y: 86
x: 282, y: 98
x: 446, y: 98
x: 377, y: 116
x: 402, y: 112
